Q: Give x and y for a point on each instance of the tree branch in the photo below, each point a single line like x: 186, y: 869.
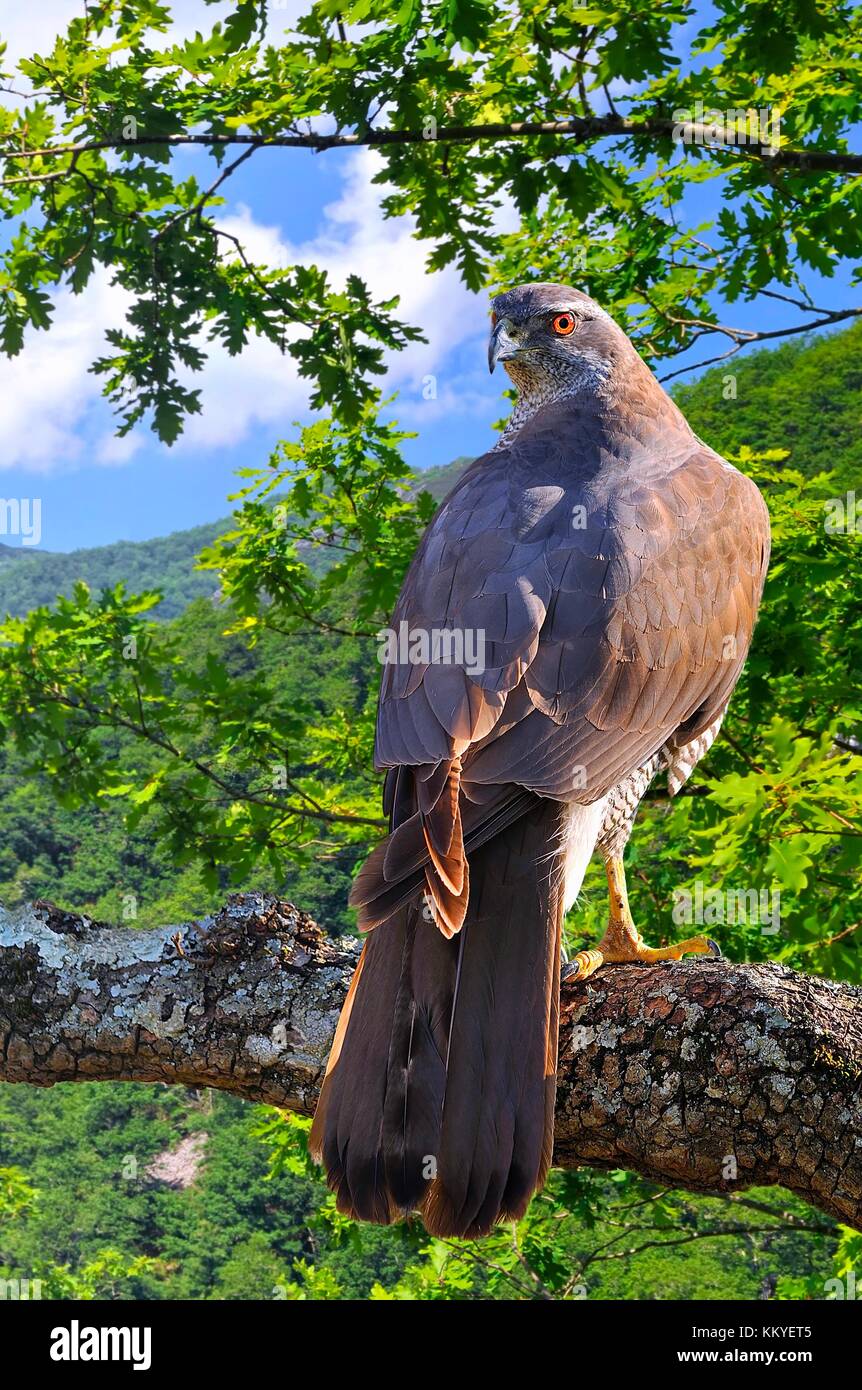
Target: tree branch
x: 744, y: 337
x: 702, y: 1075
x: 699, y: 136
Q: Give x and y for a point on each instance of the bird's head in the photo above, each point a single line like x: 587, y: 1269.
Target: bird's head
x: 550, y: 337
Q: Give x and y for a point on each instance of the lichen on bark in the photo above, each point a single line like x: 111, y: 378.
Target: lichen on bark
x: 701, y: 1074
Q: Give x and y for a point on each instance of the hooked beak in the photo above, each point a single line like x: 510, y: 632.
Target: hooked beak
x: 501, y: 348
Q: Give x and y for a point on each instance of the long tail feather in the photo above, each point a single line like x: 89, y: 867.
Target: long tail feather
x: 377, y: 1125
x: 498, y: 1113
x: 440, y: 1091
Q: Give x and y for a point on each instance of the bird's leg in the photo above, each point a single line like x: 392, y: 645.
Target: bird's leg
x: 622, y: 940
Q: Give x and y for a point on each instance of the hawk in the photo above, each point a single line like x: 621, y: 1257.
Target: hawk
x: 607, y: 566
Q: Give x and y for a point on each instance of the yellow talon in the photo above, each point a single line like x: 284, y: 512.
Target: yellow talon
x: 622, y: 941
x: 695, y: 945
x: 582, y: 965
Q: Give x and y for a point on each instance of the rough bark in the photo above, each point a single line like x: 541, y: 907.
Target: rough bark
x: 701, y: 1074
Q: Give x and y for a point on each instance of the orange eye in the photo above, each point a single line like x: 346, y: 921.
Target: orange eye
x: 564, y: 324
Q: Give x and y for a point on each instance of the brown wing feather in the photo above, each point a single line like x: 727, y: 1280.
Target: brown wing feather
x: 615, y: 578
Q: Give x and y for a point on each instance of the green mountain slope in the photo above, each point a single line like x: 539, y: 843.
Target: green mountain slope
x: 29, y: 578
x: 805, y: 396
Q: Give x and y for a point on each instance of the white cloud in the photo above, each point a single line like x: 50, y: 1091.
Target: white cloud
x: 415, y: 411
x: 52, y: 416
x: 262, y: 386
x: 50, y: 403
x: 31, y: 29
x: 48, y: 396
x: 386, y: 254
x: 113, y: 450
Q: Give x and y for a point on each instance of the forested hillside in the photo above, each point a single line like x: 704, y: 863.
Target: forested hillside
x: 31, y: 577
x: 107, y: 1217
x: 167, y: 563
x: 97, y: 1215
x: 803, y: 396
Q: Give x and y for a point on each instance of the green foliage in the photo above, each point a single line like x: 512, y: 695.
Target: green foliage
x: 31, y: 578
x: 588, y: 1236
x: 844, y: 1281
x: 16, y: 1194
x: 345, y: 491
x: 257, y: 1223
x: 224, y: 787
x: 96, y: 851
x: 90, y: 1221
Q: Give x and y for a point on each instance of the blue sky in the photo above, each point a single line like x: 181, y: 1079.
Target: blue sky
x: 57, y: 432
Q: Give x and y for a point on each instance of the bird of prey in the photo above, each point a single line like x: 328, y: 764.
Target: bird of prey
x: 608, y: 566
